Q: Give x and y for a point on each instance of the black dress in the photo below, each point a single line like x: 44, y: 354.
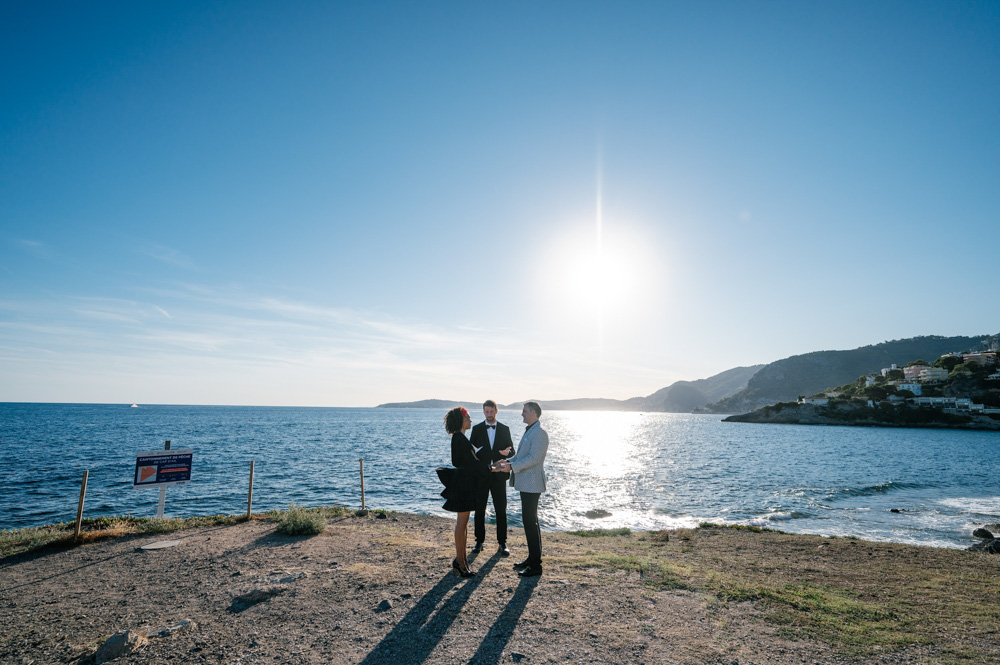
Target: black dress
x: 460, y: 483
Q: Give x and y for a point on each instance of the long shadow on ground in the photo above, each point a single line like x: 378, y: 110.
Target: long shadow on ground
x: 497, y: 637
x: 417, y: 633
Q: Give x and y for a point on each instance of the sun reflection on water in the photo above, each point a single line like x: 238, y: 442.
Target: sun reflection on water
x: 596, y: 443
x: 595, y: 463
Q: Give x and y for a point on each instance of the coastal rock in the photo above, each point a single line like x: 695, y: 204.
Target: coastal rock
x: 384, y: 606
x: 983, y: 533
x: 988, y: 546
x: 120, y: 644
x: 597, y: 513
x: 179, y: 627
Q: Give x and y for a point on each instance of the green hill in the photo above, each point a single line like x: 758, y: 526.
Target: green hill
x: 785, y: 380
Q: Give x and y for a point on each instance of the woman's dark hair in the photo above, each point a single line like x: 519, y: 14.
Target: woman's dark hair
x: 453, y: 419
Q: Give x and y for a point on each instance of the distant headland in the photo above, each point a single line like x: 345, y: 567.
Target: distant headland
x: 771, y: 393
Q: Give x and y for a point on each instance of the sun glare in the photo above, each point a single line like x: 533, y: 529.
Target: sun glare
x: 598, y: 276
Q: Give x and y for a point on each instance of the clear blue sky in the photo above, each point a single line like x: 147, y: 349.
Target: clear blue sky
x: 331, y: 203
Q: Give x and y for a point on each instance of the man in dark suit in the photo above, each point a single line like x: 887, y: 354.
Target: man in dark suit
x: 493, y: 438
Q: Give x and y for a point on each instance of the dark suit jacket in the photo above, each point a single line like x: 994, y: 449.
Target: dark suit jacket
x: 481, y: 437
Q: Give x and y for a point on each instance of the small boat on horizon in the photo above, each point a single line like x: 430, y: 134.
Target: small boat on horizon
x: 134, y: 406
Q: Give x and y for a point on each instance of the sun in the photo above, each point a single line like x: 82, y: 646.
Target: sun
x: 598, y: 275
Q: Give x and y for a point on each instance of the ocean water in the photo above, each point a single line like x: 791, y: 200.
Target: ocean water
x: 648, y: 470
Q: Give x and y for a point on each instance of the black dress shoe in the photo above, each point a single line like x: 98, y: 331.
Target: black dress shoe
x: 502, y: 550
x: 522, y: 564
x: 530, y: 571
x: 478, y: 547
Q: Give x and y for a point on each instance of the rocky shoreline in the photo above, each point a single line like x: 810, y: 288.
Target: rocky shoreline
x: 860, y: 415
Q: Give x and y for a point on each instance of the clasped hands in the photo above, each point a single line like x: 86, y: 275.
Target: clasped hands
x: 503, y: 466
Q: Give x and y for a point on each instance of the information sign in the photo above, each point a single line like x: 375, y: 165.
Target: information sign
x: 159, y: 468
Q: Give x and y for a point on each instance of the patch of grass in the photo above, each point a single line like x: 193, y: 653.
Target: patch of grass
x: 738, y: 527
x: 17, y: 541
x: 656, y: 574
x: 834, y: 616
x: 299, y: 521
x: 602, y: 533
x: 326, y: 512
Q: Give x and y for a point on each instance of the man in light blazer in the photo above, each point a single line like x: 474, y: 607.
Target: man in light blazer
x: 528, y: 477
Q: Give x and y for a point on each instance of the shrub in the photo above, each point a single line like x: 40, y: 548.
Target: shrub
x: 299, y: 521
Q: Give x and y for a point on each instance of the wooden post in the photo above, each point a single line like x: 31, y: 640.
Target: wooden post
x: 163, y: 490
x: 250, y: 493
x: 79, y: 508
x: 362, y: 461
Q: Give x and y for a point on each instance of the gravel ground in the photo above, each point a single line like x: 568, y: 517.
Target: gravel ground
x: 368, y: 591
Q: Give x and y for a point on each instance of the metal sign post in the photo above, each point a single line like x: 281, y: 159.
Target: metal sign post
x: 163, y: 490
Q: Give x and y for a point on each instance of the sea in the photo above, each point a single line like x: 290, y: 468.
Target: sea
x: 643, y: 471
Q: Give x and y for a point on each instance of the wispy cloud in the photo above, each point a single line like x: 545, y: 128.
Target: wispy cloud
x: 223, y: 345
x: 104, y: 316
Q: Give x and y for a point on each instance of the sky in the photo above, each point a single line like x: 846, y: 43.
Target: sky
x: 345, y: 204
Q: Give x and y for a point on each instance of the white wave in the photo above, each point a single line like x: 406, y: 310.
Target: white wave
x: 986, y: 505
x: 776, y: 516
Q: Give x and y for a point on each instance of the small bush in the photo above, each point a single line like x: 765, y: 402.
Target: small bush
x: 661, y: 536
x: 299, y: 521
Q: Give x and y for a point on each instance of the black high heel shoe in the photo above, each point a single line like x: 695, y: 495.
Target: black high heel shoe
x: 460, y: 572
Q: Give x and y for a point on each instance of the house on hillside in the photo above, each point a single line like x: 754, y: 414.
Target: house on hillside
x: 981, y: 358
x: 932, y: 374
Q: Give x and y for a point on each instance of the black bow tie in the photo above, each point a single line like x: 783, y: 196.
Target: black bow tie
x: 492, y: 426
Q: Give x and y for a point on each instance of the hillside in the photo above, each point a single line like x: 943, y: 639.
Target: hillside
x: 679, y: 397
x: 806, y: 374
x: 688, y: 396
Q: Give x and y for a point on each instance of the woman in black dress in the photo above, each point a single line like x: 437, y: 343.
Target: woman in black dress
x: 460, y: 483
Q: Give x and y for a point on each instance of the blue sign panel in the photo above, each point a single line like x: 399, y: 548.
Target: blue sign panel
x: 156, y: 468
